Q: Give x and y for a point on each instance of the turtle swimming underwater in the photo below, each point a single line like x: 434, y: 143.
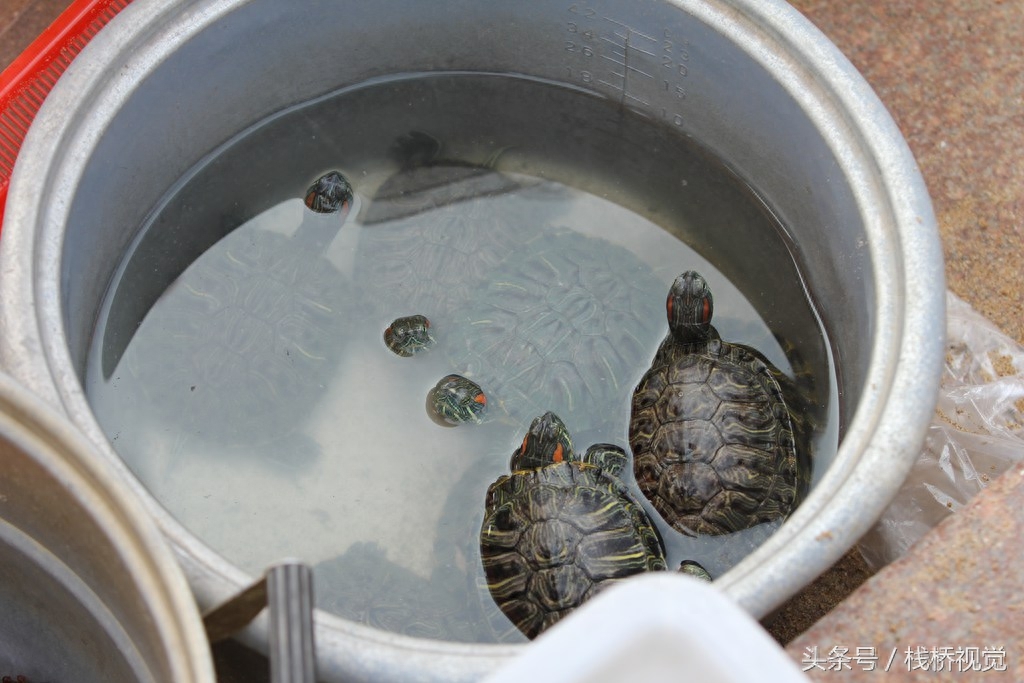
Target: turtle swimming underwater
x: 236, y: 349
x: 560, y: 528
x: 716, y: 445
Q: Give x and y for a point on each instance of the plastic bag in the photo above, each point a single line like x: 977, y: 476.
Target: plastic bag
x: 976, y: 435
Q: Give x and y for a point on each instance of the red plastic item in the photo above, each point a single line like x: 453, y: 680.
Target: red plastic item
x: 28, y: 80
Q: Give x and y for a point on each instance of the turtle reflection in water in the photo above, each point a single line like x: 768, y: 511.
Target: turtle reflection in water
x: 235, y: 351
x: 560, y: 528
x: 717, y: 447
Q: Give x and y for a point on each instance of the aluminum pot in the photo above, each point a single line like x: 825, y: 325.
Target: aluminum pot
x: 89, y: 588
x: 750, y: 79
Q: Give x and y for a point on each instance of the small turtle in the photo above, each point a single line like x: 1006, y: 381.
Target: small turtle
x: 560, y: 528
x: 711, y: 427
x: 408, y: 335
x: 455, y: 399
x: 330, y: 193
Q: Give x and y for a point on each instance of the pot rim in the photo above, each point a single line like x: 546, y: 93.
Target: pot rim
x: 880, y: 442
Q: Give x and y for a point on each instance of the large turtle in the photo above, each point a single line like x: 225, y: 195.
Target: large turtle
x: 236, y: 349
x: 560, y: 528
x: 716, y: 445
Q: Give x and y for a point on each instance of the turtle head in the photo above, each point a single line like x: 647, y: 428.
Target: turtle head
x: 330, y: 193
x: 690, y: 307
x: 409, y: 335
x: 546, y: 443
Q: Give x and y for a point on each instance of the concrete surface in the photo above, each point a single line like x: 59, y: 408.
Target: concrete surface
x: 951, y: 75
x: 951, y: 608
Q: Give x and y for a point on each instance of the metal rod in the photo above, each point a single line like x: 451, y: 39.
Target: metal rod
x: 287, y: 590
x: 290, y: 599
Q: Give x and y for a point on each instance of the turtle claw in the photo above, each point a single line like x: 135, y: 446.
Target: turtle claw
x: 695, y: 570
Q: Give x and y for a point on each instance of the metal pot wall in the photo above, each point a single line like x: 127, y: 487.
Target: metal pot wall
x: 89, y: 589
x: 761, y: 88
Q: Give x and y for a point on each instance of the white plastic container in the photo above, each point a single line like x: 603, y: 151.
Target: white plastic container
x: 663, y: 627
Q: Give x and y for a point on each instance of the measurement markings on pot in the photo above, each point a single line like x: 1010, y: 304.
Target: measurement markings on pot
x: 608, y: 52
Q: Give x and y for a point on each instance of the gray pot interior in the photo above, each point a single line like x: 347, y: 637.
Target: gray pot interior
x: 732, y: 105
x: 753, y: 82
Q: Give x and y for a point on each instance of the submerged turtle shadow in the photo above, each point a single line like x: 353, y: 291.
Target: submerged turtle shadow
x: 363, y: 585
x: 234, y: 353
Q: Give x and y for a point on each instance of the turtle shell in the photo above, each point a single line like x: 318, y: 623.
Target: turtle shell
x: 554, y: 536
x: 408, y: 335
x: 458, y: 570
x: 712, y: 438
x: 237, y: 348
x: 455, y: 399
x: 563, y: 324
